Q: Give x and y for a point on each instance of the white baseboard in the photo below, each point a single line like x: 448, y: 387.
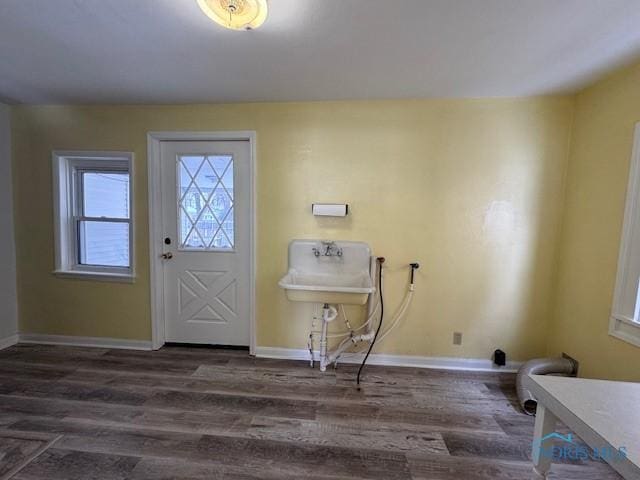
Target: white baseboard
x: 100, y: 342
x: 442, y: 363
x: 9, y: 341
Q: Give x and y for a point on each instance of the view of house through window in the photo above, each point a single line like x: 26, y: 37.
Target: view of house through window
x: 103, y: 225
x: 205, y: 204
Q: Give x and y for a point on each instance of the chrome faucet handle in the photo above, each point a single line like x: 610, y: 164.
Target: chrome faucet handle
x: 329, y: 249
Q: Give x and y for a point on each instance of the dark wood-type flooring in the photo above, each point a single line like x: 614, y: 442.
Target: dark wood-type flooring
x: 191, y: 413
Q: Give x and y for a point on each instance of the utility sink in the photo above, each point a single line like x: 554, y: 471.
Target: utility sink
x: 333, y: 272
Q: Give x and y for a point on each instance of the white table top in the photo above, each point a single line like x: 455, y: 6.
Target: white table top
x: 597, y: 410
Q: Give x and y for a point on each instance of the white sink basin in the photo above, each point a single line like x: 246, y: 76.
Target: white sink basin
x: 331, y: 279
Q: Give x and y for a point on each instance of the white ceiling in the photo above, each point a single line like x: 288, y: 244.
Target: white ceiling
x: 167, y: 51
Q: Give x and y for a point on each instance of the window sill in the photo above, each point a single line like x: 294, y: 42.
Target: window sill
x: 625, y: 329
x: 95, y: 276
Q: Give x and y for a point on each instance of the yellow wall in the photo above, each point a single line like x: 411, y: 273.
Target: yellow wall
x: 472, y: 189
x: 596, y: 188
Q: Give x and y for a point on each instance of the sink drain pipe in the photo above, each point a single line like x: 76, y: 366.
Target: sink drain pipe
x: 540, y: 366
x: 329, y: 314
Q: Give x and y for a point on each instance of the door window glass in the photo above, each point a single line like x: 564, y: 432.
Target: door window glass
x: 205, y: 202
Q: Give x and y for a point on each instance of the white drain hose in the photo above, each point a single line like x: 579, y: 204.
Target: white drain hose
x: 348, y: 333
x: 367, y: 337
x: 399, y: 314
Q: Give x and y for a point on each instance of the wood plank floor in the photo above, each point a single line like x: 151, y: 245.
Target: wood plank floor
x: 194, y: 414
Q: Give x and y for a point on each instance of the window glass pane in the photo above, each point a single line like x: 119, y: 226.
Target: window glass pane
x: 106, y: 194
x: 205, y: 205
x: 104, y: 243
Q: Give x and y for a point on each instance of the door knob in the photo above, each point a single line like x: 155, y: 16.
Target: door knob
x: 167, y: 255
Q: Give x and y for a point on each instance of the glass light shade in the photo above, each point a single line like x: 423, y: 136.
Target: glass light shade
x: 236, y: 14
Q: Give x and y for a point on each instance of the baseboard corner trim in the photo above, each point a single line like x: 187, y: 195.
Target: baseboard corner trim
x: 438, y: 363
x: 75, y: 341
x: 9, y: 341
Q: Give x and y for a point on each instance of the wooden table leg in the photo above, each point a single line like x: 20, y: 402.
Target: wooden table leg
x: 545, y: 424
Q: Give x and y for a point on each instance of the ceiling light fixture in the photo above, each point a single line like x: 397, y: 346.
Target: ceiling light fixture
x: 236, y: 14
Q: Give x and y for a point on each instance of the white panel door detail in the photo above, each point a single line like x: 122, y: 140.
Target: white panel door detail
x: 206, y: 220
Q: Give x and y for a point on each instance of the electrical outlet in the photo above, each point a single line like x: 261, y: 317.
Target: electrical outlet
x: 457, y: 338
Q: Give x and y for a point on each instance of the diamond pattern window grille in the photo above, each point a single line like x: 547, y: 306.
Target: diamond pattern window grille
x: 205, y: 202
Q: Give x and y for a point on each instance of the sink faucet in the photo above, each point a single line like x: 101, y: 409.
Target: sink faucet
x: 330, y: 249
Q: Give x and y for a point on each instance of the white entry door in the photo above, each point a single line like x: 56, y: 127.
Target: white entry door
x: 206, y: 192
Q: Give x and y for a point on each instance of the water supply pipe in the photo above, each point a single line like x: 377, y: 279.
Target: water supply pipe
x: 375, y: 269
x: 381, y: 261
x: 540, y: 366
x: 368, y: 336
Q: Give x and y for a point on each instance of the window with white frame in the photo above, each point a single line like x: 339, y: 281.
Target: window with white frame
x: 625, y: 315
x: 93, y: 214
